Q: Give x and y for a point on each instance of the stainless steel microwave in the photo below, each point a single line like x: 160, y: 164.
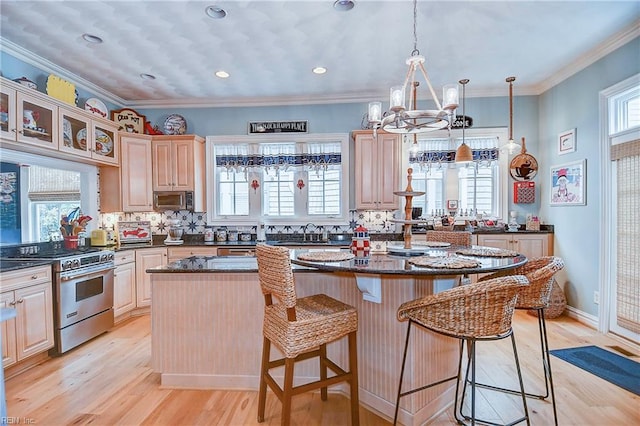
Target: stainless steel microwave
x: 172, y: 200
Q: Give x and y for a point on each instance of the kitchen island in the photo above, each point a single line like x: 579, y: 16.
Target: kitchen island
x: 206, y: 317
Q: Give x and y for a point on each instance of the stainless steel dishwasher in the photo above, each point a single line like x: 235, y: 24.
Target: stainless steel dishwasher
x: 236, y: 251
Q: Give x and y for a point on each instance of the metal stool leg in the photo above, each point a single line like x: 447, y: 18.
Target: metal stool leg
x: 546, y: 361
x: 404, y: 359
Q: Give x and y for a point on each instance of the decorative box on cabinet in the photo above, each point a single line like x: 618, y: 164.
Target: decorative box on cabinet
x: 377, y: 160
x: 124, y: 283
x: 30, y: 292
x: 145, y: 259
x: 129, y: 188
x: 179, y: 165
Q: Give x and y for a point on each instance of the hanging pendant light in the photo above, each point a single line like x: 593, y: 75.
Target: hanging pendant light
x: 510, y: 147
x: 411, y: 119
x: 464, y: 153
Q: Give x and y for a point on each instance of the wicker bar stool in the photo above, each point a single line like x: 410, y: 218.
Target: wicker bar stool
x: 300, y: 329
x: 473, y: 313
x: 457, y: 238
x: 540, y: 272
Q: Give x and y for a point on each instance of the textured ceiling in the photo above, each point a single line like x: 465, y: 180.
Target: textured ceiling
x: 270, y: 47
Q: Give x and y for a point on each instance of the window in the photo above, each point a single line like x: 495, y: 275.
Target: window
x: 478, y: 187
x: 272, y: 178
x: 626, y: 106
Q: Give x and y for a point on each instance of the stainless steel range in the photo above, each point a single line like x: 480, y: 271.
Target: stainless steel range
x: 83, y: 295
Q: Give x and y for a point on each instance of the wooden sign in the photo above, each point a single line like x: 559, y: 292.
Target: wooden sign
x: 259, y: 127
x: 128, y: 120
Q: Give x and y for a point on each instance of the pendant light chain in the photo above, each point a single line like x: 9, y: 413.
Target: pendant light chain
x: 415, y: 29
x: 510, y: 80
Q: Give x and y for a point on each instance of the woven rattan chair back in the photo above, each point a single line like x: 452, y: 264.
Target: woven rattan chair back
x: 471, y: 311
x: 275, y: 274
x: 457, y: 238
x: 540, y: 272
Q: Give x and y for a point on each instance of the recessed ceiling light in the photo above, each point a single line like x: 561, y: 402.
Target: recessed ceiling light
x: 90, y: 38
x: 222, y: 74
x: 319, y: 70
x: 343, y: 5
x: 215, y: 12
x: 147, y: 76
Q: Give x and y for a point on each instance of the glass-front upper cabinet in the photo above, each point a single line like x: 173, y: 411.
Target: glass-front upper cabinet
x: 105, y: 142
x: 74, y: 133
x: 7, y: 112
x: 39, y: 124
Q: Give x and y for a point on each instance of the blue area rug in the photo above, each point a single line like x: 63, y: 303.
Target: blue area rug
x: 607, y: 365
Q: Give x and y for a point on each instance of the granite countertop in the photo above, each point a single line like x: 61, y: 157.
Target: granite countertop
x: 376, y: 263
x: 7, y: 265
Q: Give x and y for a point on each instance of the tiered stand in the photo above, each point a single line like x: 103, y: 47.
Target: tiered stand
x: 408, y: 194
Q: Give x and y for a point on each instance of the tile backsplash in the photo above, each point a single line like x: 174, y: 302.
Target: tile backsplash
x: 376, y: 221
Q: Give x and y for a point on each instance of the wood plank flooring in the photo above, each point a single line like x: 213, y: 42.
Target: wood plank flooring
x: 108, y: 381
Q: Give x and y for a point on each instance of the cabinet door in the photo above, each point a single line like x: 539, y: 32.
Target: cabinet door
x: 34, y: 322
x: 8, y: 331
x: 183, y: 171
x: 531, y: 245
x: 145, y: 259
x: 124, y: 288
x: 498, y: 241
x: 177, y: 253
x: 8, y: 113
x: 39, y: 123
x: 366, y: 173
x: 104, y: 142
x: 136, y: 172
x: 388, y: 161
x: 73, y: 133
x: 162, y: 167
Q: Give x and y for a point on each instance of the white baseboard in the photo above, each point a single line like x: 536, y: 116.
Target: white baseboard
x: 589, y: 320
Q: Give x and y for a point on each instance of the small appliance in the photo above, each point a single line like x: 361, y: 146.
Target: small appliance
x: 174, y: 232
x: 99, y: 238
x: 172, y: 200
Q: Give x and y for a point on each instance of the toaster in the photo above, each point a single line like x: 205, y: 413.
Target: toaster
x: 99, y: 238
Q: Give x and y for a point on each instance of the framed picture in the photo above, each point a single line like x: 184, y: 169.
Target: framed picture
x: 568, y: 184
x: 128, y: 120
x: 452, y: 204
x: 567, y: 142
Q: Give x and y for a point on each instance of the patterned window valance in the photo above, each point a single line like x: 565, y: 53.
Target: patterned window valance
x: 443, y: 150
x: 313, y: 156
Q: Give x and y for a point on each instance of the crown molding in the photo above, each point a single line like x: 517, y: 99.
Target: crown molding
x: 603, y: 49
x: 48, y: 66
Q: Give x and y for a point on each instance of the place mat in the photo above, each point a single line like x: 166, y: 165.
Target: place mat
x: 449, y: 262
x: 487, y: 252
x: 431, y: 243
x: 326, y: 256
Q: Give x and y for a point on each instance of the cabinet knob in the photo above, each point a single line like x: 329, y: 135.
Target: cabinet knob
x: 34, y: 277
x: 12, y: 303
x: 21, y: 301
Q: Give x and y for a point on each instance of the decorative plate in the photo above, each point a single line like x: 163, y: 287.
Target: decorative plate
x: 81, y: 139
x: 97, y: 107
x: 104, y: 144
x: 326, y: 256
x: 448, y: 262
x: 431, y: 243
x: 175, y: 124
x: 67, y: 132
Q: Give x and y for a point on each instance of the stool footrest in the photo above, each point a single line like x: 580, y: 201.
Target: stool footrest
x: 409, y: 392
x: 510, y: 391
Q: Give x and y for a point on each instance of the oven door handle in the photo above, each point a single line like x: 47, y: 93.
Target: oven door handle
x: 96, y: 272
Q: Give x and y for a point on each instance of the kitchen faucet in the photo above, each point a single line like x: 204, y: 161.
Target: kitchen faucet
x: 304, y: 235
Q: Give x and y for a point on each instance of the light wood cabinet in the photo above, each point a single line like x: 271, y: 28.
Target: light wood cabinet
x: 31, y: 120
x: 129, y: 188
x: 530, y: 245
x: 30, y: 292
x: 145, y: 259
x: 177, y: 253
x: 376, y: 170
x: 124, y: 283
x: 177, y: 161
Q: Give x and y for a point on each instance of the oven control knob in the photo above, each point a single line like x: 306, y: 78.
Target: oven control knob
x: 111, y: 256
x: 76, y: 263
x: 66, y: 265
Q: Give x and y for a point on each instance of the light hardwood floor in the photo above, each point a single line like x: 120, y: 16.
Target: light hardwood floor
x: 108, y: 382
